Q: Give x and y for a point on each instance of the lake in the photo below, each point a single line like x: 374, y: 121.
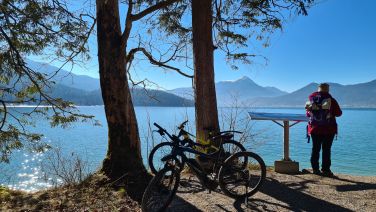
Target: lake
x: 353, y: 152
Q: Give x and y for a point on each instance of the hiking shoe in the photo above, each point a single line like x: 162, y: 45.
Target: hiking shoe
x: 317, y: 172
x: 327, y: 173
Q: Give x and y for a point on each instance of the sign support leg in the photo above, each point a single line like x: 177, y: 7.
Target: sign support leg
x: 286, y: 142
x: 286, y: 165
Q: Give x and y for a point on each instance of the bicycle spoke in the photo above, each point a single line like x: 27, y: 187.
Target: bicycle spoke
x: 242, y: 174
x: 161, y: 190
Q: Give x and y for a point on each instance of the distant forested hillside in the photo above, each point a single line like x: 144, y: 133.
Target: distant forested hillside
x: 85, y: 90
x: 141, y: 97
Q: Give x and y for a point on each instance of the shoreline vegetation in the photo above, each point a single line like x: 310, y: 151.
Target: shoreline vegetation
x: 250, y: 106
x: 93, y: 193
x: 301, y: 192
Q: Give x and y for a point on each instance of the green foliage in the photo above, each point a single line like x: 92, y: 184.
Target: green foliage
x: 4, y: 193
x: 36, y: 27
x: 11, y: 139
x: 122, y: 191
x: 170, y: 20
x: 236, y: 23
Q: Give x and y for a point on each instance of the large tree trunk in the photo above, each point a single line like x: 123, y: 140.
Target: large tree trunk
x: 203, y: 48
x: 124, y: 153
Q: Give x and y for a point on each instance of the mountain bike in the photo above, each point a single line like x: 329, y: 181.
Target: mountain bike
x: 240, y: 175
x: 222, y: 140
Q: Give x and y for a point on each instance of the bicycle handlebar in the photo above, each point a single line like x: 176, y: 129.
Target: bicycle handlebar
x: 162, y: 131
x: 157, y: 125
x: 182, y: 125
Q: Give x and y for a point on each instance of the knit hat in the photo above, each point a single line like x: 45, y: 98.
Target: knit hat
x: 323, y: 87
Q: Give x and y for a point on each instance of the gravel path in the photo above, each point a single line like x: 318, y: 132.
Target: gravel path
x: 280, y: 192
x: 304, y: 192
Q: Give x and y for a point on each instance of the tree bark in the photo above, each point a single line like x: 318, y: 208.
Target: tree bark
x: 124, y: 154
x: 203, y: 49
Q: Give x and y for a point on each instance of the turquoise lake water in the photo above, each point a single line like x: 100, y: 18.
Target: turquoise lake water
x: 353, y: 152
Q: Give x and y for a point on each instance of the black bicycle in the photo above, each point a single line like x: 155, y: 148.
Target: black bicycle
x: 240, y: 175
x: 221, y: 141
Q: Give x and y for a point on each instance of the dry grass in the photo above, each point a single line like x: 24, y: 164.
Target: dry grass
x: 93, y: 194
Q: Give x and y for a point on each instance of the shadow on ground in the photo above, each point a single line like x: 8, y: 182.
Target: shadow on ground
x: 190, y: 185
x: 179, y: 204
x: 283, y: 193
x: 291, y: 195
x: 356, y: 186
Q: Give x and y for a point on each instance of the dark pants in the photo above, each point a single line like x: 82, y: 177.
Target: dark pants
x: 324, y: 141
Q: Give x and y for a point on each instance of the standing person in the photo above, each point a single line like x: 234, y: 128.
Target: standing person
x: 322, y: 110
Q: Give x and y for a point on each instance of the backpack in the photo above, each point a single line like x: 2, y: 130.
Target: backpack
x: 319, y: 110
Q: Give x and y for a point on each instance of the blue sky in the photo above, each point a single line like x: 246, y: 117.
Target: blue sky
x: 336, y: 42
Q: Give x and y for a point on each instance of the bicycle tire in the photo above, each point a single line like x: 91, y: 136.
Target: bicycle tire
x: 152, y: 162
x: 236, y: 143
x: 228, y: 170
x: 152, y: 165
x: 226, y: 152
x: 155, y: 188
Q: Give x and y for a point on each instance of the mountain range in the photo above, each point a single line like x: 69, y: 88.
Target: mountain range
x: 85, y: 90
x: 353, y: 96
x: 242, y: 89
x: 247, y: 93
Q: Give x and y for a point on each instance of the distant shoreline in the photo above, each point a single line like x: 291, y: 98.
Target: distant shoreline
x: 49, y: 106
x: 16, y: 106
x: 251, y: 107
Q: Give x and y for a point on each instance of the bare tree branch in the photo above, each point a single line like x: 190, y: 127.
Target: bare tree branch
x: 153, y: 8
x: 132, y: 52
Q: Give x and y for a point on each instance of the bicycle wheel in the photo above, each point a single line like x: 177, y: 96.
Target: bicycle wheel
x: 228, y: 148
x: 239, y: 181
x: 156, y: 154
x: 161, y: 190
x: 231, y: 147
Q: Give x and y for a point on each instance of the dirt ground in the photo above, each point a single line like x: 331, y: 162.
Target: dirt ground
x: 280, y: 192
x: 303, y: 192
